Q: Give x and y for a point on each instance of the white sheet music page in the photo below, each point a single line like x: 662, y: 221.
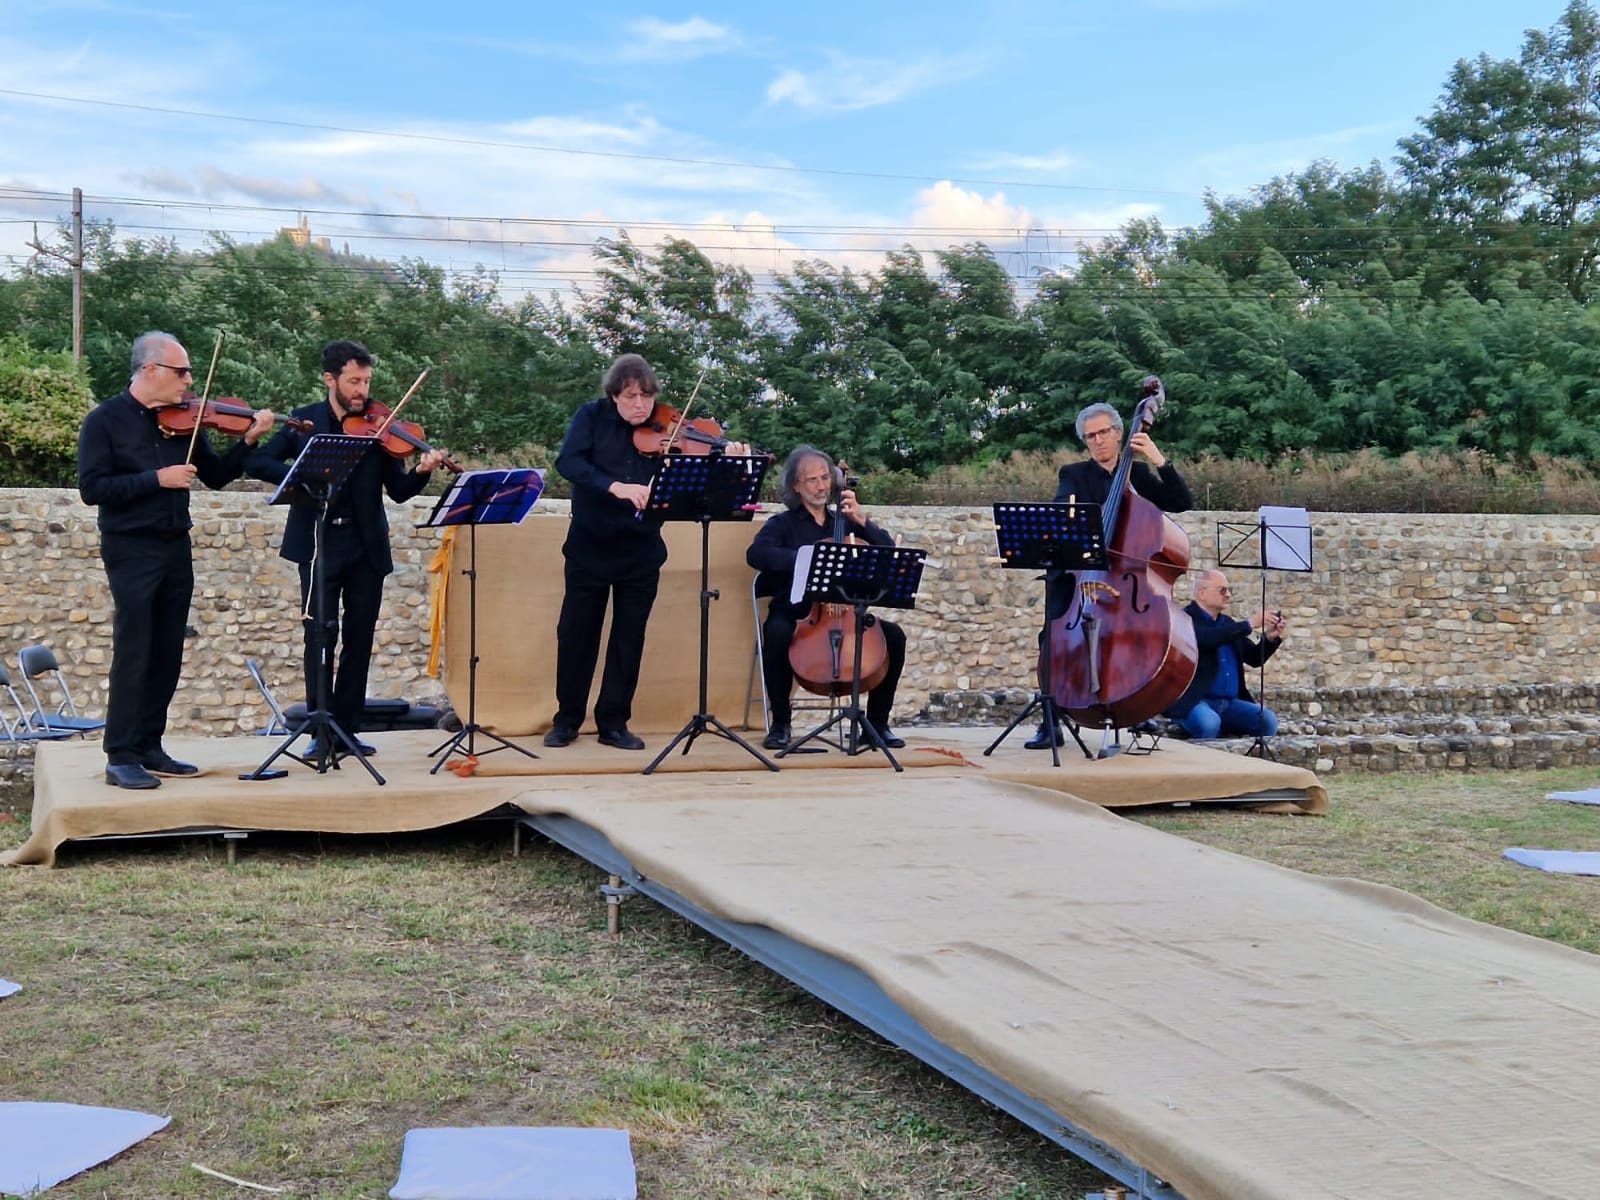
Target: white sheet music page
x: 1286, y: 533
x: 802, y: 572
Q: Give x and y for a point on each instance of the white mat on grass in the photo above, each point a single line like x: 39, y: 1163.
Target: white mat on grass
x: 1561, y: 862
x: 516, y: 1163
x: 7, y: 988
x: 41, y: 1144
x: 1586, y: 796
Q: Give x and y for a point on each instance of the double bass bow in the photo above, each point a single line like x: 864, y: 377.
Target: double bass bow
x: 1124, y: 650
x: 822, y: 654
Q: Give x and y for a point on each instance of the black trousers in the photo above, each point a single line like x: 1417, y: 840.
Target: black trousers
x: 777, y: 632
x: 152, y: 581
x: 590, y: 587
x: 354, y: 596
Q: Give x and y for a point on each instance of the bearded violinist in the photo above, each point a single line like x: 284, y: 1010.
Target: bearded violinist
x: 140, y: 480
x: 1100, y: 428
x: 809, y: 476
x: 356, y: 553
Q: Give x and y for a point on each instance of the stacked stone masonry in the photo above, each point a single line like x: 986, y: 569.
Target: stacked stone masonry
x: 1475, y: 622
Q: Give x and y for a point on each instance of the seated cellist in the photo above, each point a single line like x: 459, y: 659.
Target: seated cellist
x: 1089, y: 480
x: 809, y: 480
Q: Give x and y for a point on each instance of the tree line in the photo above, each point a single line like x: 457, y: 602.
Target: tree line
x: 1444, y: 305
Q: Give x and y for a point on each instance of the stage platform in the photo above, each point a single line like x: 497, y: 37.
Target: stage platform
x: 1198, y: 1024
x: 72, y: 802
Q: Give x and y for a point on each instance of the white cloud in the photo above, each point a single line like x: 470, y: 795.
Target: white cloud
x: 1047, y: 164
x: 848, y: 84
x: 1234, y: 170
x: 695, y: 38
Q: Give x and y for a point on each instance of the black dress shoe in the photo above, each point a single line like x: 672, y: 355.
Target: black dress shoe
x: 162, y: 763
x: 622, y: 739
x: 890, y: 739
x: 340, y: 750
x: 560, y: 735
x: 1042, y: 739
x: 777, y: 738
x: 130, y: 775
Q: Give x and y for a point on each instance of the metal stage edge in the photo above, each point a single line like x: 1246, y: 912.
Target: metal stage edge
x: 854, y: 993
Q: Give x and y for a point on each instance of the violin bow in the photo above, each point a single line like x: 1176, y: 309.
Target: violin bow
x: 200, y: 417
x: 676, y: 428
x: 395, y: 411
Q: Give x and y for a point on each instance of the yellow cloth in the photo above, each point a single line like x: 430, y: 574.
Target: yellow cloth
x: 438, y: 596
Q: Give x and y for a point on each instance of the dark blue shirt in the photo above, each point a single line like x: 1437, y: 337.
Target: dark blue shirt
x: 1226, y: 684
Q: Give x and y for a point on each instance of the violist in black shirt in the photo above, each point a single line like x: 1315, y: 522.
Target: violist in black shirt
x: 139, y: 480
x: 613, y: 552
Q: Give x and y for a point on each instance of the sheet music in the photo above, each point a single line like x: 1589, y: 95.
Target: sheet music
x: 802, y: 572
x: 1286, y: 537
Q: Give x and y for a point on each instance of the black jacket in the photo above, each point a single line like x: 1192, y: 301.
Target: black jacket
x: 1091, y: 484
x: 776, y: 544
x: 359, y: 500
x: 120, y: 449
x: 1209, y: 633
x: 598, y: 451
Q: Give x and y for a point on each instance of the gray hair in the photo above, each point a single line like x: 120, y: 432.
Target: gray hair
x: 1096, y: 410
x: 791, y: 472
x: 147, y: 348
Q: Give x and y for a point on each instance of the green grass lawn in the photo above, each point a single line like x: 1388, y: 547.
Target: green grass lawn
x: 298, y: 1012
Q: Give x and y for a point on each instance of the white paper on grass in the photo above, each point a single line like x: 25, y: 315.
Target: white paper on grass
x: 7, y: 988
x: 1286, y: 538
x: 1558, y: 862
x: 516, y: 1163
x: 43, y: 1143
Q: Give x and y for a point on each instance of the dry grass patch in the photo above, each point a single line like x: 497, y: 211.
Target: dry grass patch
x: 298, y: 1012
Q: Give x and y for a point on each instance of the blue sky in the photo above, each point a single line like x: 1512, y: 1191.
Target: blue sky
x: 514, y: 135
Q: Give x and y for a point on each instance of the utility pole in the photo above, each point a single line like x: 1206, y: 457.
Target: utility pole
x: 75, y: 261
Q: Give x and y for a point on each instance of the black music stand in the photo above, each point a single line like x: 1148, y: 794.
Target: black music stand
x: 1278, y: 540
x: 1048, y: 537
x: 325, y: 463
x: 481, y: 498
x: 706, y: 488
x: 862, y: 576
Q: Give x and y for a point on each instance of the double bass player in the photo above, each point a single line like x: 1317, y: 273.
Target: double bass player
x: 1100, y: 428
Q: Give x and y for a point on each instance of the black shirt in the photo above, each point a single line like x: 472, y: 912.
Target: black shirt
x: 778, y: 542
x: 1091, y: 484
x: 120, y: 449
x: 597, y: 452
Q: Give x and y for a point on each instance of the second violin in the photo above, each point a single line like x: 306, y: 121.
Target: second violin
x: 226, y: 414
x: 399, y: 438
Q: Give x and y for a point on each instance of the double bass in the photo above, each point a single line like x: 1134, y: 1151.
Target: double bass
x: 1124, y: 650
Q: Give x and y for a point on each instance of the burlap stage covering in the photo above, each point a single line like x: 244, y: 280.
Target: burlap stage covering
x: 1245, y: 1032
x: 520, y: 585
x: 71, y: 801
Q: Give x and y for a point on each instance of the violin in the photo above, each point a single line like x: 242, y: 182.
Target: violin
x: 399, y: 438
x: 665, y: 431
x: 822, y: 654
x: 226, y: 414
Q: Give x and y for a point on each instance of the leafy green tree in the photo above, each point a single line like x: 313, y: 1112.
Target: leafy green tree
x: 44, y: 397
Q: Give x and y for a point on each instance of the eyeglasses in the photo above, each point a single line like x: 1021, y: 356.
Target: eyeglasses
x: 1090, y: 435
x: 189, y: 371
x: 1225, y: 591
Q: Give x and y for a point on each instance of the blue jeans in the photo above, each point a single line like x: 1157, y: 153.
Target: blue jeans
x: 1216, y: 718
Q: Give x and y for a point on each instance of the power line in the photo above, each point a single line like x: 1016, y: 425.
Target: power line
x: 613, y: 154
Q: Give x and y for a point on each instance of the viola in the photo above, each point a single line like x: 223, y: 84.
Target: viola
x: 399, y: 438
x: 226, y: 414
x: 822, y: 654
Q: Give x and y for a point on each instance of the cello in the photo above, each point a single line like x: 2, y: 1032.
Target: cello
x: 822, y: 654
x: 1124, y: 650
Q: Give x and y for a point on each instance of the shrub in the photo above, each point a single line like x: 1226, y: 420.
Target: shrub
x: 44, y: 397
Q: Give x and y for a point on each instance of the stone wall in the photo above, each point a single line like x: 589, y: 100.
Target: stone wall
x: 1446, y: 604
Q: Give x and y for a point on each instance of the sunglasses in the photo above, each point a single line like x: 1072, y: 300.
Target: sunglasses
x: 189, y: 371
